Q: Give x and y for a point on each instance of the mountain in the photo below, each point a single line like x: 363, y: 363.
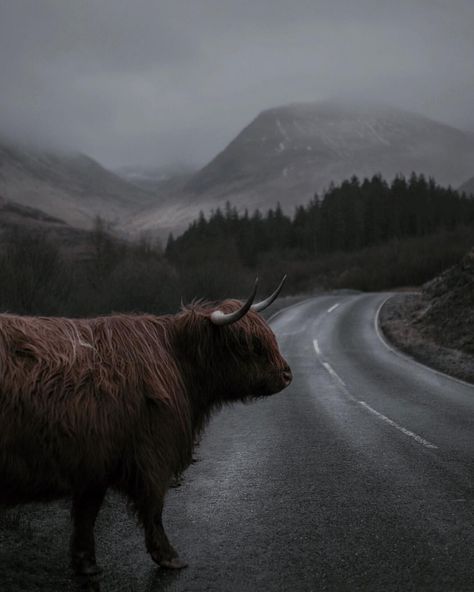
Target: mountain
x: 288, y: 153
x: 467, y: 187
x: 70, y: 186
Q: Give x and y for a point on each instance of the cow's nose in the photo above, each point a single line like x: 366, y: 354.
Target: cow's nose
x: 287, y: 375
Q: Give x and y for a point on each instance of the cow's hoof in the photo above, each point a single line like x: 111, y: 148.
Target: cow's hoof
x: 167, y: 559
x: 85, y: 566
x: 175, y: 563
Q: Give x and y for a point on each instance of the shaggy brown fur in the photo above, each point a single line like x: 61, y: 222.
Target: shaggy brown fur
x: 88, y: 404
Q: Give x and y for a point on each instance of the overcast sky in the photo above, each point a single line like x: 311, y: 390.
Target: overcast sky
x: 161, y: 81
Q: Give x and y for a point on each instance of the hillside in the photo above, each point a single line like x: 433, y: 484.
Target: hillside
x: 72, y: 187
x: 436, y: 325
x: 288, y: 153
x: 30, y: 221
x: 448, y: 314
x: 468, y: 187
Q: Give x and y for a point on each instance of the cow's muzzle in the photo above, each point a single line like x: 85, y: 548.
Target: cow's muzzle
x: 287, y: 375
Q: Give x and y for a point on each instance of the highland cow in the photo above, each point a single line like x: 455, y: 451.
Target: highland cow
x: 117, y: 402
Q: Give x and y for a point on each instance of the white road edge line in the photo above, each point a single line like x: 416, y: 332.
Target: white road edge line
x: 400, y: 428
x: 405, y: 356
x: 316, y: 347
x: 333, y: 307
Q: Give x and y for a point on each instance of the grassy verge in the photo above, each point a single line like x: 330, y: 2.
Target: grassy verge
x: 398, y: 323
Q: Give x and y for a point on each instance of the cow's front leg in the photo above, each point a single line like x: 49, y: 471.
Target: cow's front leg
x: 157, y: 543
x: 85, y: 507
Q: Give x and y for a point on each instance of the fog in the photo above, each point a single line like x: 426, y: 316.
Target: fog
x: 157, y: 82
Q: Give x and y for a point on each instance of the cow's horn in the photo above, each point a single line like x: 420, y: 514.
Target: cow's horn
x: 221, y: 318
x: 262, y: 305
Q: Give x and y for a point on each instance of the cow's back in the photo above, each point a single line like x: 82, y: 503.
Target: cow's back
x: 73, y: 393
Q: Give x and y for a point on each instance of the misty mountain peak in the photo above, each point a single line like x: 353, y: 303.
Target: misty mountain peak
x: 312, y: 144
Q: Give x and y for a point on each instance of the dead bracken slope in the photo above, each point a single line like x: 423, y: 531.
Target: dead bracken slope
x: 436, y: 325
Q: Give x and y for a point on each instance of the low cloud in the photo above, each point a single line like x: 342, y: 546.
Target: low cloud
x: 160, y: 81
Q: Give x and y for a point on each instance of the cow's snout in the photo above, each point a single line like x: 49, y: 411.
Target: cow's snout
x: 287, y: 375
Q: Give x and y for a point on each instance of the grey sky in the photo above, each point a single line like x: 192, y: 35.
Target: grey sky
x: 160, y: 81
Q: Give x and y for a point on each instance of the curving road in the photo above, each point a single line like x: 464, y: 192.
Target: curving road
x: 357, y: 477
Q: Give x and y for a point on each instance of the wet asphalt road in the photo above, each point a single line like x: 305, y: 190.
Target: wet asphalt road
x: 357, y: 477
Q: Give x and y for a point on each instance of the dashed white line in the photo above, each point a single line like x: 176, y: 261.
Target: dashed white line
x: 333, y: 373
x: 400, y: 428
x: 384, y: 418
x: 333, y: 307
